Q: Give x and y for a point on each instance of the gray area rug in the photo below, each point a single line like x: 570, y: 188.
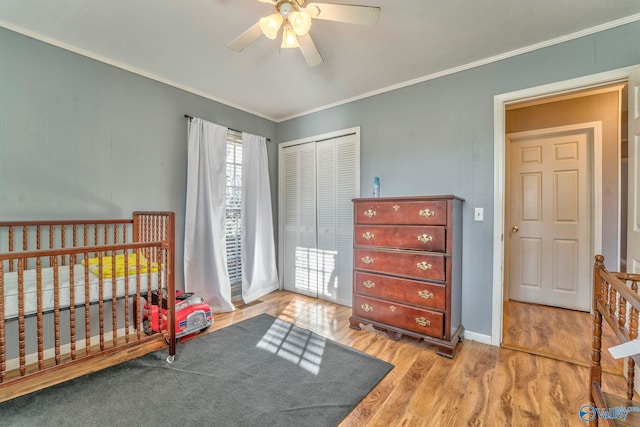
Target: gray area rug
x: 260, y: 372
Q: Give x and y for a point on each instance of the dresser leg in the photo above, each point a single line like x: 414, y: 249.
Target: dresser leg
x: 396, y: 336
x: 445, y: 351
x: 354, y: 324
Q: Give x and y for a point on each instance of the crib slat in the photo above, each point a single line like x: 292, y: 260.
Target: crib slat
x: 87, y: 315
x: 138, y: 300
x: 3, y: 342
x: 100, y: 301
x: 56, y: 309
x: 126, y: 299
x: 40, y: 330
x: 63, y: 242
x: 25, y: 245
x: 51, y: 233
x: 11, y: 248
x: 114, y: 305
x: 21, y: 338
x: 72, y: 300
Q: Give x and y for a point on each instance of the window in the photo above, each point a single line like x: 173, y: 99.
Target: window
x: 233, y: 204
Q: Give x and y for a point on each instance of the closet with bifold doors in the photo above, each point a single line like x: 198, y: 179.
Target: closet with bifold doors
x: 318, y: 178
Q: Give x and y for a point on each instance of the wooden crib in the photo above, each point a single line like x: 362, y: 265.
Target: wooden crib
x: 616, y: 300
x: 72, y: 296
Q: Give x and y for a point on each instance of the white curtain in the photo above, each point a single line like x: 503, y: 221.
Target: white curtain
x: 259, y: 273
x: 205, y: 254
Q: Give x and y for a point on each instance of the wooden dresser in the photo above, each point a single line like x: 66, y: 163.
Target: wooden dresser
x: 407, y: 268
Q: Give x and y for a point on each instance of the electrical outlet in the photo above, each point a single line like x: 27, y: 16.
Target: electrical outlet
x: 479, y: 214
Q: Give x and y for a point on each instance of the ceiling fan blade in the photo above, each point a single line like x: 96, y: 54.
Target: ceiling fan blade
x: 246, y: 38
x: 366, y: 15
x: 309, y: 51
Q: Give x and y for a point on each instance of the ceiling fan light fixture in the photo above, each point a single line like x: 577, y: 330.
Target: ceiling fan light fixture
x: 289, y: 39
x: 300, y: 22
x: 285, y: 8
x: 270, y: 25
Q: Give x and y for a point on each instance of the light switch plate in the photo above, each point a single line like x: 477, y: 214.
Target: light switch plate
x: 479, y: 214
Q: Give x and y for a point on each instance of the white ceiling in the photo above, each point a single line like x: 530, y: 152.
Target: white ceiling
x: 183, y: 43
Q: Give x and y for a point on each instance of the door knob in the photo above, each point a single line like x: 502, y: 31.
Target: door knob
x: 515, y: 229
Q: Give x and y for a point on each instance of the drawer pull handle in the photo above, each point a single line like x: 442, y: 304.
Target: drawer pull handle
x: 368, y: 236
x: 392, y: 307
x: 369, y: 213
x: 368, y: 284
x: 425, y: 238
x: 396, y: 207
x: 367, y: 260
x: 366, y: 307
x: 427, y: 213
x: 424, y: 266
x: 425, y: 294
x: 422, y: 321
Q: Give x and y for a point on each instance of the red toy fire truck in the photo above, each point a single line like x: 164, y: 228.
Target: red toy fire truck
x: 192, y: 314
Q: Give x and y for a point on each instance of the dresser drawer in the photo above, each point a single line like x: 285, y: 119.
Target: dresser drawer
x: 413, y: 292
x: 422, y: 321
x: 401, y: 263
x: 423, y: 238
x: 433, y: 212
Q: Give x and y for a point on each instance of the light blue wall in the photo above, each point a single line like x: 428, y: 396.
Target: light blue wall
x: 437, y: 137
x: 82, y: 139
x: 79, y: 138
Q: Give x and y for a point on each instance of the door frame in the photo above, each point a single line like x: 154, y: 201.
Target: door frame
x: 500, y: 102
x: 594, y: 168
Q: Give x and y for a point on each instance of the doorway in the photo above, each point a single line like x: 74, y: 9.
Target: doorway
x: 551, y: 177
x: 555, y: 178
x: 535, y: 98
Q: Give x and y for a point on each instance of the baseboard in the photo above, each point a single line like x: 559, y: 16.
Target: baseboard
x: 475, y: 336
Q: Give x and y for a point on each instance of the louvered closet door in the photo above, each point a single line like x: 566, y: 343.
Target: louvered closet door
x: 337, y: 181
x: 317, y: 216
x: 299, y: 257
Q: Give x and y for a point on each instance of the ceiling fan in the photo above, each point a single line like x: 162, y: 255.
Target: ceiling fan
x: 294, y: 17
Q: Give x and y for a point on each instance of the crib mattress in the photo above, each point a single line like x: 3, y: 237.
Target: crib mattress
x: 64, y: 285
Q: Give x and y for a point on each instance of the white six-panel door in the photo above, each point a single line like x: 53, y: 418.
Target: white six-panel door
x: 549, y: 228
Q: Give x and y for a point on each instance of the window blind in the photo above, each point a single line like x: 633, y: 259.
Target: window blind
x: 233, y: 206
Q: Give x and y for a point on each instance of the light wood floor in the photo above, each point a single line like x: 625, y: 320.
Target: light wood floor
x: 555, y: 332
x: 482, y: 386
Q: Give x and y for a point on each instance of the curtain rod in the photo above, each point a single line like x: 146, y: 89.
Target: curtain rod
x: 188, y: 117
